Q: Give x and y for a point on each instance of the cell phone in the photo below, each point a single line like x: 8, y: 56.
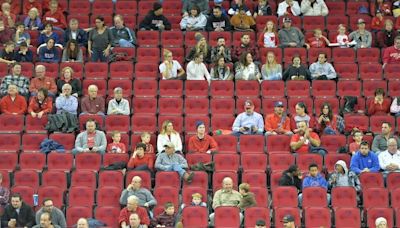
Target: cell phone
x: 90, y: 148
x: 246, y: 128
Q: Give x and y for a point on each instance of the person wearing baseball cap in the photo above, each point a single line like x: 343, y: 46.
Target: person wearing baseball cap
x: 260, y: 224
x: 248, y: 122
x: 361, y: 36
x: 290, y: 36
x: 288, y: 221
x: 202, y: 142
x: 278, y: 123
x: 155, y: 20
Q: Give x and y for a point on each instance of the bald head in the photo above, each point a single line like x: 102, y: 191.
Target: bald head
x: 82, y: 223
x: 392, y: 145
x: 227, y: 184
x: 40, y: 71
x: 92, y: 89
x: 136, y: 182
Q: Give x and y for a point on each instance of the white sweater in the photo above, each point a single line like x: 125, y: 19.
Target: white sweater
x: 196, y: 71
x: 163, y: 139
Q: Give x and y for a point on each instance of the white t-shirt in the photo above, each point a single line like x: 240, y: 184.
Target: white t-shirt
x: 174, y: 71
x: 269, y: 40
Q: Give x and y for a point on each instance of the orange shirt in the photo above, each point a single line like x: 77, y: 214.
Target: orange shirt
x: 8, y: 106
x: 272, y: 122
x: 202, y: 145
x: 145, y: 160
x: 46, y: 82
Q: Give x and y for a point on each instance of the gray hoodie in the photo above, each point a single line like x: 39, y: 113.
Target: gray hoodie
x: 348, y: 179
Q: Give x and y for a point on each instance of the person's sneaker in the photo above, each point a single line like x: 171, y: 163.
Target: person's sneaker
x: 188, y: 177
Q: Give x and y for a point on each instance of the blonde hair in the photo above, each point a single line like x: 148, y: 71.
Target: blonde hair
x: 35, y: 10
x: 269, y: 66
x: 113, y: 133
x: 144, y: 134
x: 273, y: 28
x: 166, y: 52
x: 67, y: 68
x: 203, y: 50
x: 164, y: 127
x: 197, y: 195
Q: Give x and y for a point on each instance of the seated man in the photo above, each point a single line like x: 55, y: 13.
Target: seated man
x: 217, y: 21
x: 322, y: 70
x: 15, y: 78
x: 221, y: 50
x: 132, y: 207
x: 13, y: 103
x: 379, y: 144
x: 8, y: 55
x: 45, y: 221
x: 82, y: 223
x: 123, y: 36
x: 73, y: 32
x: 364, y: 160
x: 290, y: 36
x: 202, y: 142
x: 93, y: 104
x: 66, y: 102
x: 41, y: 81
x: 315, y: 179
x: 305, y: 140
x: 292, y: 177
x: 389, y: 160
x: 278, y: 123
x: 57, y: 217
x: 342, y: 177
x: 171, y: 161
x: 248, y: 122
x: 91, y: 140
x: 18, y: 213
x: 145, y: 198
x: 155, y: 20
x: 242, y: 21
x: 140, y: 160
x: 167, y: 218
x: 118, y: 105
x: 23, y: 53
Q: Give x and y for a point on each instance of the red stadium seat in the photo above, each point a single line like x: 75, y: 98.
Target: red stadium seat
x: 393, y: 181
x: 219, y: 176
x: 10, y: 143
x: 188, y: 191
x: 80, y: 196
x: 126, y: 8
x: 80, y: 8
x: 108, y: 196
x: 5, y: 178
x: 77, y: 212
x: 170, y: 106
x: 368, y: 55
x: 391, y: 71
x: 346, y: 71
x: 252, y: 214
x: 298, y: 88
x: 190, y: 123
x: 371, y: 180
x: 56, y: 194
x: 349, y: 88
x: 332, y: 158
x: 395, y: 198
x: 195, y: 216
x: 190, y: 40
x: 11, y: 123
x: 83, y: 178
x: 261, y: 196
x: 254, y: 162
x: 283, y: 211
x: 31, y: 142
x: 54, y: 178
x: 35, y: 125
x: 177, y: 120
x: 370, y: 71
x: 292, y: 101
x: 347, y: 217
x: 317, y: 217
x: 272, y: 88
x: 112, y: 178
x: 394, y: 88
x: 144, y: 122
x: 251, y: 144
x: 60, y: 161
x: 193, y: 158
x: 319, y: 101
x: 226, y: 162
x: 222, y: 106
x: 221, y: 88
x: 148, y: 38
x: 240, y: 104
x: 100, y: 83
x: 313, y: 54
x: 284, y: 196
x: 344, y: 197
x: 26, y: 193
x: 343, y: 55
x: 117, y: 123
x: 145, y: 88
x: 164, y: 194
x: 289, y: 53
x: 333, y: 142
x: 88, y: 161
x: 280, y: 161
x: 107, y: 215
x: 255, y: 178
x: 121, y: 69
x: 375, y: 197
x: 172, y: 39
x: 304, y: 160
x: 195, y: 88
x: 144, y: 106
x: 314, y: 197
x: 95, y: 70
x: 110, y: 158
x: 171, y: 88
x: 168, y: 178
x: 145, y: 176
x: 196, y: 106
x: 227, y: 217
x: 278, y: 143
x: 356, y: 121
x: 200, y: 179
x: 376, y: 212
x: 146, y: 70
x: 322, y: 88
x: 213, y: 36
x: 221, y: 122
x: 313, y: 22
x: 149, y: 55
x: 32, y: 161
x: 376, y: 122
x: 226, y: 143
x: 26, y: 178
x: 247, y: 89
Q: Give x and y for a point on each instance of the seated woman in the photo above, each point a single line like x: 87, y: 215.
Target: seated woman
x: 268, y: 38
x: 395, y: 106
x: 168, y: 135
x: 48, y: 33
x: 49, y: 53
x: 41, y: 104
x: 197, y: 70
x: 221, y: 71
x: 201, y: 47
x: 296, y: 71
x: 379, y: 105
x: 72, y: 52
x: 246, y: 69
x: 301, y: 115
x: 271, y: 70
x: 327, y: 121
x: 195, y: 21
x: 33, y: 21
x: 170, y: 68
x: 100, y: 41
x: 67, y: 77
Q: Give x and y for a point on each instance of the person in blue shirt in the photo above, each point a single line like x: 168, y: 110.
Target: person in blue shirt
x: 315, y: 179
x: 364, y: 160
x: 248, y: 122
x: 49, y: 53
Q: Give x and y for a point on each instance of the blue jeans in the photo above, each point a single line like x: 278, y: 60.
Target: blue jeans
x: 177, y: 168
x: 98, y: 55
x: 124, y: 43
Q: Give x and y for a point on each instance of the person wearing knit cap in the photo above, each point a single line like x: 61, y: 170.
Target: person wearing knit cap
x: 381, y: 222
x: 155, y: 20
x: 195, y: 21
x: 202, y: 142
x: 248, y: 122
x: 201, y: 47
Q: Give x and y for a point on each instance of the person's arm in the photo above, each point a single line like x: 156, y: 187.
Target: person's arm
x: 295, y: 9
x: 209, y: 26
x: 53, y: 86
x: 191, y: 145
x: 201, y: 23
x: 371, y: 107
x: 213, y: 144
x: 260, y: 124
x: 103, y: 142
x: 324, y: 183
x: 125, y: 108
x: 60, y: 102
x: 124, y: 197
x: 167, y: 24
x: 146, y: 23
x: 313, y: 70
x: 314, y: 139
x: 33, y: 86
x: 382, y: 161
x: 305, y: 6
x: 394, y: 108
x: 56, y: 58
x: 48, y: 108
x: 73, y: 108
x: 306, y: 182
x: 206, y: 73
x: 183, y: 23
x: 354, y: 164
x: 331, y: 74
x: 296, y: 144
x: 281, y: 9
x: 31, y: 217
x: 23, y: 106
x: 375, y: 144
x: 178, y: 142
x: 160, y: 143
x: 325, y: 10
x: 111, y: 107
x: 375, y: 164
x: 64, y: 56
x: 369, y: 40
x: 236, y: 123
x: 158, y: 164
x: 216, y: 200
x: 5, y: 197
x: 301, y: 38
x: 41, y: 54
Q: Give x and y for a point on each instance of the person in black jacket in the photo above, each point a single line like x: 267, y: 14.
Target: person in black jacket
x: 296, y: 71
x: 217, y: 21
x: 73, y: 32
x: 155, y: 20
x: 24, y: 54
x: 291, y: 177
x: 24, y: 218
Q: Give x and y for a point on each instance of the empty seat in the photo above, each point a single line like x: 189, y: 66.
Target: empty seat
x: 344, y: 197
x: 88, y: 161
x: 393, y: 180
x: 343, y: 55
x: 170, y: 106
x: 26, y: 193
x: 119, y: 123
x: 96, y: 70
x: 254, y: 162
x: 107, y: 215
x: 358, y: 121
x: 298, y: 88
x: 314, y: 197
x: 333, y: 142
x: 349, y: 88
x: 77, y: 212
x: 164, y: 194
x: 144, y: 123
x: 226, y: 162
x: 247, y: 89
x: 26, y: 178
x: 280, y: 161
x: 31, y: 142
x: 84, y: 178
x: 226, y: 143
x: 80, y: 196
x: 195, y: 216
x: 148, y: 38
x: 284, y: 196
x: 221, y: 122
x: 368, y: 55
x: 304, y: 160
x: 370, y: 71
x: 347, y: 217
x: 222, y: 106
x: 272, y: 88
x: 251, y: 144
x: 196, y: 106
x: 144, y: 106
x: 149, y: 55
x: 108, y: 196
x: 317, y: 217
x: 278, y: 143
x: 171, y: 88
x: 35, y: 125
x: 323, y: 88
x: 11, y: 123
x: 371, y: 180
x: 60, y: 161
x: 252, y: 214
x: 226, y: 217
x: 112, y: 178
x: 168, y: 178
x: 10, y: 143
x: 146, y: 70
x: 172, y: 39
x: 54, y: 178
x: 195, y: 88
x: 281, y: 212
x: 32, y: 161
x: 221, y: 88
x: 376, y: 122
x: 347, y: 71
x: 255, y: 178
x: 375, y: 197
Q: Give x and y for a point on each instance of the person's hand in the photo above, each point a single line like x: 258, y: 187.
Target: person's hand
x: 6, y: 13
x: 106, y: 52
x: 185, y: 14
x: 86, y: 150
x: 146, y: 204
x: 95, y: 149
x: 321, y: 118
x: 254, y: 129
x: 40, y: 114
x: 219, y: 29
x: 12, y: 223
x: 292, y: 44
x: 161, y: 27
x: 242, y: 129
x: 90, y: 52
x: 273, y: 133
x: 307, y: 46
x: 130, y: 187
x: 33, y: 114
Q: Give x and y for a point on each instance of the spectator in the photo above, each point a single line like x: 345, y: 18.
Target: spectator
x: 377, y: 23
x: 18, y: 213
x: 188, y: 5
x: 93, y: 104
x: 392, y: 54
x: 4, y: 194
x: 292, y: 177
x: 383, y: 5
x: 155, y: 20
x: 218, y: 21
x: 248, y: 122
x: 235, y: 8
x: 243, y: 22
x: 8, y: 17
x: 342, y: 39
x: 396, y: 8
x: 271, y: 70
x: 196, y: 201
x: 65, y: 102
x: 171, y: 161
x: 73, y: 32
x: 41, y: 104
x: 48, y: 33
x: 318, y: 40
x: 132, y: 207
x: 202, y: 142
x: 306, y: 141
x: 116, y: 146
x: 358, y: 138
x: 245, y: 46
x: 15, y: 78
x: 379, y: 143
x: 67, y: 77
x: 262, y: 9
x: 290, y: 36
x: 140, y: 160
x: 379, y: 105
x: 387, y: 36
x: 46, y: 6
x: 278, y: 123
x: 8, y: 55
x: 170, y: 68
x: 134, y: 221
x: 55, y: 16
x: 168, y: 135
x: 24, y: 54
x: 195, y: 21
x: 5, y: 33
x: 196, y: 69
x: 56, y: 216
x: 268, y: 38
x: 100, y: 41
x: 246, y: 69
x: 33, y: 21
x: 315, y: 179
x: 342, y: 177
x: 118, y: 105
x: 13, y: 103
x: 145, y: 198
x: 72, y: 52
x: 145, y: 138
x: 91, y: 140
x: 248, y: 199
x: 361, y: 36
x: 218, y: 3
x: 322, y: 70
x: 301, y: 115
x: 21, y: 35
x: 221, y: 50
x: 123, y: 36
x: 314, y: 8
x: 395, y: 106
x: 364, y: 161
x: 296, y: 71
x: 288, y: 221
x: 389, y: 160
x: 201, y: 48
x: 381, y: 222
x: 167, y: 218
x: 45, y: 221
x: 220, y: 70
x: 49, y: 53
x: 28, y: 5
x: 82, y: 223
x: 226, y: 196
x: 288, y: 7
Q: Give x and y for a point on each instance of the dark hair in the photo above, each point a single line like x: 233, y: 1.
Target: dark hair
x: 325, y: 55
x: 19, y: 24
x: 303, y: 106
x: 141, y: 145
x: 330, y: 114
x: 50, y: 39
x: 220, y: 37
x: 197, y: 8
x: 379, y: 91
x: 168, y: 205
x: 72, y: 54
x: 292, y: 168
x: 16, y: 195
x: 385, y: 122
x: 48, y: 214
x: 218, y: 7
x: 364, y: 143
x: 48, y: 24
x: 243, y: 58
x: 15, y: 64
x: 312, y: 165
x: 45, y: 200
x: 99, y: 17
x: 197, y: 55
x: 44, y: 91
x: 296, y: 56
x: 216, y: 67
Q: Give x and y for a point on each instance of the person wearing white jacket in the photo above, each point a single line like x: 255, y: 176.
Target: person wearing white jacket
x: 395, y: 107
x: 289, y: 7
x: 197, y: 70
x: 389, y: 160
x: 314, y: 8
x: 195, y: 21
x: 168, y: 135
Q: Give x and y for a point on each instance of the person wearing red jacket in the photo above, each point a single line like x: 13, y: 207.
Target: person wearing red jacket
x: 379, y: 105
x: 41, y: 104
x: 278, y: 122
x: 13, y: 103
x: 377, y: 22
x: 392, y: 54
x: 55, y: 16
x: 140, y: 160
x: 202, y: 142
